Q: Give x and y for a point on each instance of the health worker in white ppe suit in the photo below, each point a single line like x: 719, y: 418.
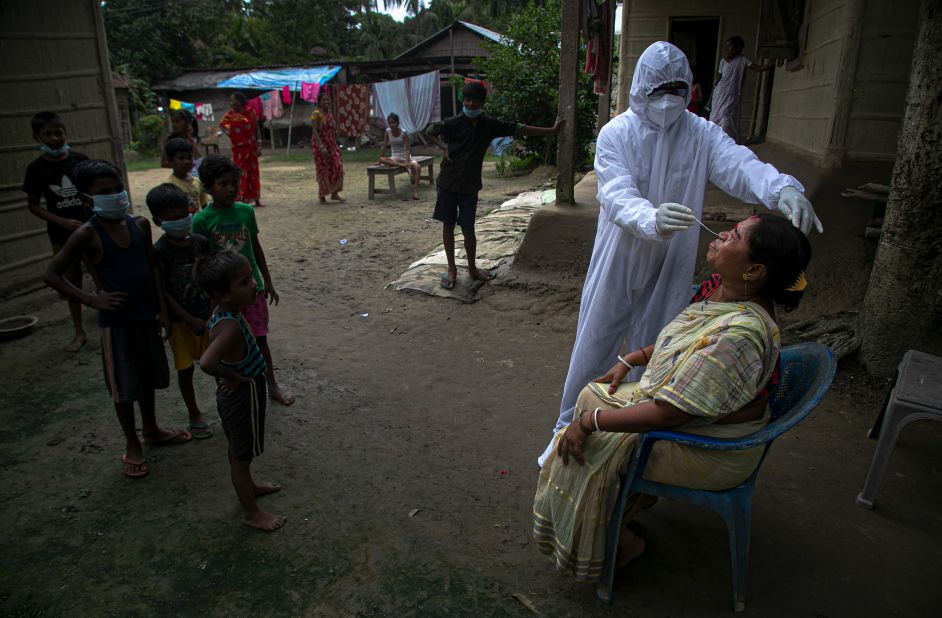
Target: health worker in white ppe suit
x: 653, y: 163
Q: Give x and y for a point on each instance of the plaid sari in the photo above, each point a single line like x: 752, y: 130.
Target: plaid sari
x: 711, y: 360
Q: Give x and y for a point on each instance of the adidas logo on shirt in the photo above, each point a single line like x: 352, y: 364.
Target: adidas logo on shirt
x: 67, y: 193
x: 67, y: 189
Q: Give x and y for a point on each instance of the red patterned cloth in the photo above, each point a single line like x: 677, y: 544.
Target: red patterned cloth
x: 241, y: 128
x: 353, y: 109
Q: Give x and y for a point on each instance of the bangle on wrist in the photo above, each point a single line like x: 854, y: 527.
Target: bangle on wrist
x: 595, y: 418
x: 622, y: 360
x: 644, y: 355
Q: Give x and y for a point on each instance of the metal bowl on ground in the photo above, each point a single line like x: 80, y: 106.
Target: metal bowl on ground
x: 17, y: 326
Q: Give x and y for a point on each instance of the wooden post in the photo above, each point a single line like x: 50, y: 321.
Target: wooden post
x: 605, y: 99
x: 624, y: 77
x: 568, y: 79
x: 291, y: 117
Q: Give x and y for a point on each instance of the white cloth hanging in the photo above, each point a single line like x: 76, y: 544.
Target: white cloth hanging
x: 638, y: 281
x: 416, y: 100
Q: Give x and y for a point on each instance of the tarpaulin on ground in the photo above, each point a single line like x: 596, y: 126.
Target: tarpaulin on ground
x: 279, y: 78
x: 499, y: 235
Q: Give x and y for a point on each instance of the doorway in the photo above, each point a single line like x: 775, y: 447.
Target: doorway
x: 698, y: 38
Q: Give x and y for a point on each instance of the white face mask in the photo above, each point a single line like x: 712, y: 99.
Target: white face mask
x: 666, y: 109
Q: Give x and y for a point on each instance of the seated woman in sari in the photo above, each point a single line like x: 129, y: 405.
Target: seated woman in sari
x: 706, y: 367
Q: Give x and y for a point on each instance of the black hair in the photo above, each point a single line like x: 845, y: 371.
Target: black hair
x: 176, y: 145
x: 215, y: 166
x: 214, y: 272
x: 87, y: 172
x: 240, y: 97
x: 42, y: 119
x: 164, y: 197
x: 785, y: 252
x: 737, y: 41
x: 392, y: 116
x: 474, y: 90
x: 190, y: 119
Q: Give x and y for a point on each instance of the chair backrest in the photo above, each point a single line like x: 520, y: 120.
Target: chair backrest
x: 807, y: 370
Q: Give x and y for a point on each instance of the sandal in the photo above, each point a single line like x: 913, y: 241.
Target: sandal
x: 447, y: 282
x: 201, y: 431
x: 177, y: 436
x: 134, y: 468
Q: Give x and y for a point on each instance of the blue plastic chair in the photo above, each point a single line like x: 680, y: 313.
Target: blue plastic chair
x: 806, y: 373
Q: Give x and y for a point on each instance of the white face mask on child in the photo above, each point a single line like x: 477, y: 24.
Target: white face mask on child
x: 112, y: 206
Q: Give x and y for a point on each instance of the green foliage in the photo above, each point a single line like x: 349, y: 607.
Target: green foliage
x: 524, y: 80
x: 150, y: 132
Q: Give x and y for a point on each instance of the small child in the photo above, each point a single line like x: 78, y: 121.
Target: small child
x: 175, y: 254
x: 180, y: 155
x: 398, y: 143
x: 466, y: 139
x: 234, y: 358
x: 184, y: 126
x: 50, y: 176
x: 230, y: 226
x: 131, y: 299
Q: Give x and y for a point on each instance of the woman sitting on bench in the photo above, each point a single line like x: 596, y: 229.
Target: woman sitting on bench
x: 398, y: 142
x: 703, y: 374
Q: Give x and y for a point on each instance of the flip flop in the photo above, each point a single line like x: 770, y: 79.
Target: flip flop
x: 447, y: 282
x: 134, y: 468
x: 178, y: 436
x: 201, y: 432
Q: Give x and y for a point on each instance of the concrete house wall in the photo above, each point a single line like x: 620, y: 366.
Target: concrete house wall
x: 53, y: 57
x: 844, y: 101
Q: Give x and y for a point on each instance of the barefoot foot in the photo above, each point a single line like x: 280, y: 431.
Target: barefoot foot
x: 77, y: 343
x: 336, y: 197
x: 264, y: 521
x: 280, y: 395
x: 265, y: 489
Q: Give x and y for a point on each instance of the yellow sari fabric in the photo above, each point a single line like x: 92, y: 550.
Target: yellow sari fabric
x: 709, y: 361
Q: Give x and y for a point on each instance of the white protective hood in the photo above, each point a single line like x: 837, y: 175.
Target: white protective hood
x: 638, y: 282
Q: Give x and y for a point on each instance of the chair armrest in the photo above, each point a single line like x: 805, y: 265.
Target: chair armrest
x: 759, y: 438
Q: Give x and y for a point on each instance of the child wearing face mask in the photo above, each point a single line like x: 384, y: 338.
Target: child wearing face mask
x: 464, y: 140
x: 175, y: 254
x: 131, y: 307
x: 49, y: 176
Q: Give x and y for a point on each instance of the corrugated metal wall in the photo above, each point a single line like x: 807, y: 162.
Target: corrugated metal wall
x: 53, y: 57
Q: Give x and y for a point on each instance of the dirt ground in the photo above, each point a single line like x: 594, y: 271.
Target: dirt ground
x: 408, y: 462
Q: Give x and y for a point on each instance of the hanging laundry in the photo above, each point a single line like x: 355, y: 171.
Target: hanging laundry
x: 353, y: 109
x: 204, y: 111
x: 416, y: 100
x: 174, y: 104
x: 286, y: 95
x: 255, y: 105
x: 271, y: 105
x: 309, y: 91
x: 599, y: 48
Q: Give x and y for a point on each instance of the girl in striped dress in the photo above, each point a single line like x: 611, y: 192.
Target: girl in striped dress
x: 235, y: 360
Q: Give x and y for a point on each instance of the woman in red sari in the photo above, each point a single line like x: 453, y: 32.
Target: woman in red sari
x: 327, y: 160
x: 241, y: 125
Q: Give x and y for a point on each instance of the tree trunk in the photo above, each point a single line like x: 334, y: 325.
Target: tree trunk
x: 903, y: 306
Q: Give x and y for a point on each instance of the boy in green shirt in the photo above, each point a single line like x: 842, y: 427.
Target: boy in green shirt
x: 230, y: 225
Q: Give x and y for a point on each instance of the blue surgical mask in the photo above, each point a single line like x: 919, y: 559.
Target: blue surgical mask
x: 179, y: 228
x: 113, y: 206
x: 55, y: 152
x: 472, y: 113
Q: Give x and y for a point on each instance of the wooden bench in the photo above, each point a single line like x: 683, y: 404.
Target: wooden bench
x: 391, y: 171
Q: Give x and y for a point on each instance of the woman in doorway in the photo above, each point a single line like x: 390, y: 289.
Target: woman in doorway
x: 241, y: 125
x: 327, y: 160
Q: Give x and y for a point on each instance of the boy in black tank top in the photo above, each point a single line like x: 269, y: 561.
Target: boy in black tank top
x: 131, y: 308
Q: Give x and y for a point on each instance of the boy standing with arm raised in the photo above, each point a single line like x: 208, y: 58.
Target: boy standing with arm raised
x: 230, y: 226
x: 464, y: 140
